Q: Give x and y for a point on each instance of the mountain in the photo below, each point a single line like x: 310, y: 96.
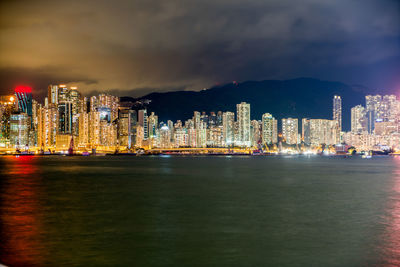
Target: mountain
x: 298, y: 98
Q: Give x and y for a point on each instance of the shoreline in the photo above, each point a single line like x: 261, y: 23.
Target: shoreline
x: 194, y: 154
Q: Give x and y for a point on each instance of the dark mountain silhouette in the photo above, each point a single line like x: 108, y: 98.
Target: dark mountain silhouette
x: 297, y: 98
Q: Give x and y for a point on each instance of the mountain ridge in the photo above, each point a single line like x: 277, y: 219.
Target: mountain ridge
x: 297, y: 98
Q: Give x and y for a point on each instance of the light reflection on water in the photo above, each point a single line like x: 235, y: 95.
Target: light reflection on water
x: 20, y: 211
x: 121, y: 211
x: 391, y: 238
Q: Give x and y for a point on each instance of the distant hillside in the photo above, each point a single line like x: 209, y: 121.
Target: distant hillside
x: 298, y: 98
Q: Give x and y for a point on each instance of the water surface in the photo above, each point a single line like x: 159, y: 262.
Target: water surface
x: 199, y: 211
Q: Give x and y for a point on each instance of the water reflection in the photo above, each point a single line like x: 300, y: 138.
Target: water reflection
x: 19, y: 211
x: 139, y: 211
x: 391, y: 247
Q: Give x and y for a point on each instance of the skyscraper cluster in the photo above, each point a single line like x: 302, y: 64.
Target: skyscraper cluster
x: 375, y: 125
x: 67, y: 118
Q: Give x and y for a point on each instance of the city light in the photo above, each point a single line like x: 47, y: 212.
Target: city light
x: 23, y: 89
x: 103, y: 124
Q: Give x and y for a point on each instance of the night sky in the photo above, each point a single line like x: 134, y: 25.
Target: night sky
x: 139, y: 46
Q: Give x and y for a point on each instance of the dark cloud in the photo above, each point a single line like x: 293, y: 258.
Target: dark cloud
x: 139, y: 46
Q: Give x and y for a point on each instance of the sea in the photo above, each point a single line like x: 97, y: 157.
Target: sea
x: 199, y: 211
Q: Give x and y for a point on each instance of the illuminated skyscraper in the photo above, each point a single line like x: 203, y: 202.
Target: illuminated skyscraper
x: 373, y: 111
x: 7, y: 107
x: 94, y: 128
x: 76, y: 99
x: 319, y: 131
x: 153, y: 125
x: 323, y: 132
x: 143, y: 121
x: 52, y: 94
x: 127, y: 120
x: 48, y: 126
x: 306, y: 131
x: 24, y: 98
x: 192, y: 138
x: 200, y: 126
x: 19, y: 130
x: 165, y: 137
x: 358, y: 119
x: 255, y: 133
x: 228, y: 120
x: 196, y: 119
x: 243, y: 119
x: 65, y: 117
x: 290, y: 130
x: 337, y: 111
x: 83, y: 139
x: 269, y: 129
x: 63, y: 93
x: 389, y: 107
x: 111, y: 102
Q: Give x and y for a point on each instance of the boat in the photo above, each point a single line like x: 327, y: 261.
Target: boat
x: 85, y: 153
x: 367, y: 155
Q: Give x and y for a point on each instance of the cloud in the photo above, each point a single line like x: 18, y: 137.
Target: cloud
x: 153, y: 45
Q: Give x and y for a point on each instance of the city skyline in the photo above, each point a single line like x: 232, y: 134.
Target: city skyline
x: 200, y: 133
x: 68, y: 118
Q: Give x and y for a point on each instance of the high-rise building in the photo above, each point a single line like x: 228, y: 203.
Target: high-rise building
x: 243, y: 119
x: 52, y: 94
x: 7, y: 107
x: 152, y: 125
x: 24, y: 98
x: 36, y: 114
x: 381, y: 109
x: 194, y: 138
x: 269, y: 129
x: 63, y: 93
x: 219, y: 118
x: 215, y: 137
x: 111, y: 102
x: 306, y: 131
x: 256, y: 133
x: 65, y: 117
x: 19, y: 130
x: 358, y: 119
x: 181, y: 137
x: 75, y: 98
x: 165, y: 137
x: 94, y: 128
x: 390, y: 108
x: 323, y: 132
x: 228, y: 120
x: 143, y: 121
x: 83, y: 139
x: 170, y: 125
x: 337, y: 112
x: 48, y: 126
x: 108, y: 133
x: 290, y: 130
x: 373, y: 111
x: 191, y: 133
x: 127, y: 127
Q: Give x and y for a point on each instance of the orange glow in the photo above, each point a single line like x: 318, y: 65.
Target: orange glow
x: 12, y: 99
